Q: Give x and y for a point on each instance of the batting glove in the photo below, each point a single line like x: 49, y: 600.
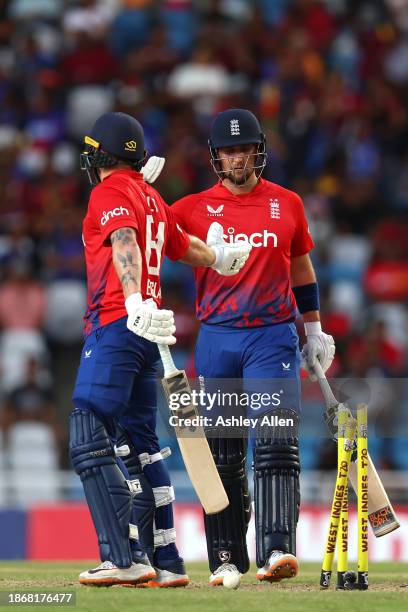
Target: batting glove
x: 229, y: 258
x: 152, y: 168
x: 146, y: 320
x: 318, y: 346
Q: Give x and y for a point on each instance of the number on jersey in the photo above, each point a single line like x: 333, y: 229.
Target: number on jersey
x: 154, y: 245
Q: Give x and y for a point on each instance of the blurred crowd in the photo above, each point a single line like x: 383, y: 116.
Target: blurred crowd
x: 328, y: 80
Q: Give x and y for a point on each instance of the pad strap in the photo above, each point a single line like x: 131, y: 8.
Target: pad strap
x: 163, y: 495
x: 163, y: 537
x: 142, y: 494
x: 146, y: 459
x: 135, y: 486
x: 122, y: 451
x: 133, y: 532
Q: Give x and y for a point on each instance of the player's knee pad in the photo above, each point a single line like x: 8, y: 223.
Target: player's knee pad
x: 143, y: 497
x: 277, y: 495
x: 226, y: 530
x: 105, y: 487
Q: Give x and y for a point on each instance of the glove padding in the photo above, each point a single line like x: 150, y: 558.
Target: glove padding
x: 152, y: 168
x: 146, y: 320
x: 229, y: 258
x: 318, y: 346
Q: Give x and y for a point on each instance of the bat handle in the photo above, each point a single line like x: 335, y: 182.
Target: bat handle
x: 318, y: 370
x: 167, y: 360
x: 324, y: 384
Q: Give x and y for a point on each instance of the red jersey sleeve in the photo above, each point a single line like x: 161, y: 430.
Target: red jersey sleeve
x: 182, y: 210
x: 178, y: 241
x: 110, y: 210
x: 302, y: 241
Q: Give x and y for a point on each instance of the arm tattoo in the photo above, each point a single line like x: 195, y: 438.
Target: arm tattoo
x: 125, y: 235
x: 127, y: 278
x: 126, y: 260
x: 128, y: 269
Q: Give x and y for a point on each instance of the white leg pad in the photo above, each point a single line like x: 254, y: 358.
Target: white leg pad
x: 163, y: 495
x: 162, y: 537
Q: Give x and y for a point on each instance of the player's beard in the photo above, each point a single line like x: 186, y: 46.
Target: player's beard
x: 247, y: 170
x: 231, y: 176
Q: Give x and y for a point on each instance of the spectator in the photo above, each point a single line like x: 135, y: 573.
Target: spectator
x: 202, y: 76
x: 328, y: 80
x: 32, y: 400
x: 22, y: 311
x: 131, y: 26
x: 91, y: 16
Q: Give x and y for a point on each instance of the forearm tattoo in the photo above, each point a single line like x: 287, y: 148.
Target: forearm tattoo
x: 128, y: 267
x: 125, y: 260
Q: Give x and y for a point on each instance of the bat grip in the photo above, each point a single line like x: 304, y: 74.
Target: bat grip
x: 324, y: 385
x: 167, y: 360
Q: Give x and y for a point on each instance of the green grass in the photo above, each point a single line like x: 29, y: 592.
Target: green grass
x: 388, y: 591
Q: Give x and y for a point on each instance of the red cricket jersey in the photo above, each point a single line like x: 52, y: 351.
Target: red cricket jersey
x: 272, y: 218
x: 124, y: 199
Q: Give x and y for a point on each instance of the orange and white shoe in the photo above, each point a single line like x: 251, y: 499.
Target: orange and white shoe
x: 279, y: 565
x: 165, y: 579
x: 217, y: 577
x: 108, y: 574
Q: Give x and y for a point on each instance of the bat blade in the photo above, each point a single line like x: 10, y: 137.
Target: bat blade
x: 194, y: 448
x: 381, y: 514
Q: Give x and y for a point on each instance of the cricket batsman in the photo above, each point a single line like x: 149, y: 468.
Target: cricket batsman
x: 248, y: 331
x: 113, y: 444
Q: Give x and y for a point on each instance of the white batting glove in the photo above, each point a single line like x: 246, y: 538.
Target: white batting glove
x: 146, y: 320
x: 229, y: 258
x: 152, y: 168
x: 318, y: 346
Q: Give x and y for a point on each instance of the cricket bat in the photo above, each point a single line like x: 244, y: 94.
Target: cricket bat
x: 193, y: 444
x: 381, y: 514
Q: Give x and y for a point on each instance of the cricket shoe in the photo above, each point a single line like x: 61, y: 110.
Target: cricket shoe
x: 108, y: 574
x: 141, y: 557
x: 279, y: 565
x: 172, y: 573
x: 217, y: 577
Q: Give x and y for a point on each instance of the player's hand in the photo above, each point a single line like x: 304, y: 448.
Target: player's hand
x: 229, y: 258
x: 318, y: 346
x: 152, y: 168
x: 147, y: 321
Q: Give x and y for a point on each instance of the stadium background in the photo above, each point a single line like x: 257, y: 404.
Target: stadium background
x: 328, y: 80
